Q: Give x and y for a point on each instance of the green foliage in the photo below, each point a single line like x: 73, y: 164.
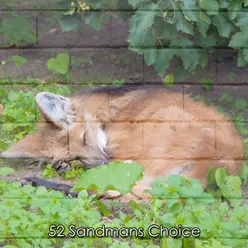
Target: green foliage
x: 60, y: 64
x: 74, y: 173
x: 17, y: 30
x: 6, y: 171
x: 103, y: 178
x: 207, y: 84
x: 19, y: 60
x: 118, y: 82
x: 162, y: 30
x: 158, y: 28
x: 48, y: 172
x: 70, y: 22
x: 220, y: 183
x: 159, y: 24
x: 31, y: 213
x: 169, y: 79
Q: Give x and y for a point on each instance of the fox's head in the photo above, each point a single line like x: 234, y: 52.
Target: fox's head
x: 62, y: 135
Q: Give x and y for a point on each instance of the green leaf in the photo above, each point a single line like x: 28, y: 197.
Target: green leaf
x: 211, y: 6
x: 240, y: 125
x: 150, y: 56
x: 190, y: 58
x: 70, y: 22
x: 48, y: 172
x: 244, y: 171
x: 190, y: 5
x: 241, y: 103
x: 224, y: 3
x: 169, y: 79
x: 134, y: 3
x: 203, y: 60
x: 234, y: 8
x: 182, y: 24
x: 209, y: 40
x: 238, y: 41
x: 184, y: 42
x: 17, y: 29
x: 94, y: 19
x: 245, y: 3
x: 163, y: 59
x: 245, y: 54
x: 144, y: 38
x: 143, y: 18
x: 224, y: 26
x: 165, y: 30
x: 6, y: 171
x: 203, y: 22
x: 242, y: 21
x: 192, y: 188
x: 103, y: 208
x: 207, y: 84
x: 211, y: 177
x: 59, y: 64
x: 232, y: 187
x: 226, y: 98
x: 20, y: 61
x: 220, y: 176
x: 118, y: 176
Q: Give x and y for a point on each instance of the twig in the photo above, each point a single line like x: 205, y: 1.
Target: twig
x: 140, y: 198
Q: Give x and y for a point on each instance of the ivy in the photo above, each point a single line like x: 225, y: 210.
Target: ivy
x: 155, y: 25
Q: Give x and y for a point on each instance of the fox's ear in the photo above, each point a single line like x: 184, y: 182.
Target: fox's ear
x: 55, y: 108
x: 28, y: 147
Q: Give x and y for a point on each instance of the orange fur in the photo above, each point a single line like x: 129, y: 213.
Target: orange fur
x: 166, y: 132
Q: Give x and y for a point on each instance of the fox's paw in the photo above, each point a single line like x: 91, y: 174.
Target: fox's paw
x: 62, y: 167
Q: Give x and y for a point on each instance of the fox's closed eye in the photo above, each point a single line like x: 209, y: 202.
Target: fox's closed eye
x: 84, y: 139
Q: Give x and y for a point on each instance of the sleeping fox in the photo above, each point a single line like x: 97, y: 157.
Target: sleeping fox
x: 165, y: 132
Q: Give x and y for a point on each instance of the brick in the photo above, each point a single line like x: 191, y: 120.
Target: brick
x: 106, y: 66
x: 32, y: 5
x: 24, y: 35
x: 119, y: 28
x: 36, y: 66
x: 51, y: 35
x: 9, y: 69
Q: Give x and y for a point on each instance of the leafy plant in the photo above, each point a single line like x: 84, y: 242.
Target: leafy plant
x: 6, y: 171
x: 19, y: 60
x: 59, y: 64
x: 207, y: 84
x: 164, y: 31
x: 33, y: 213
x: 48, y: 172
x: 169, y: 79
x: 17, y: 30
x: 75, y: 172
x: 103, y: 178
